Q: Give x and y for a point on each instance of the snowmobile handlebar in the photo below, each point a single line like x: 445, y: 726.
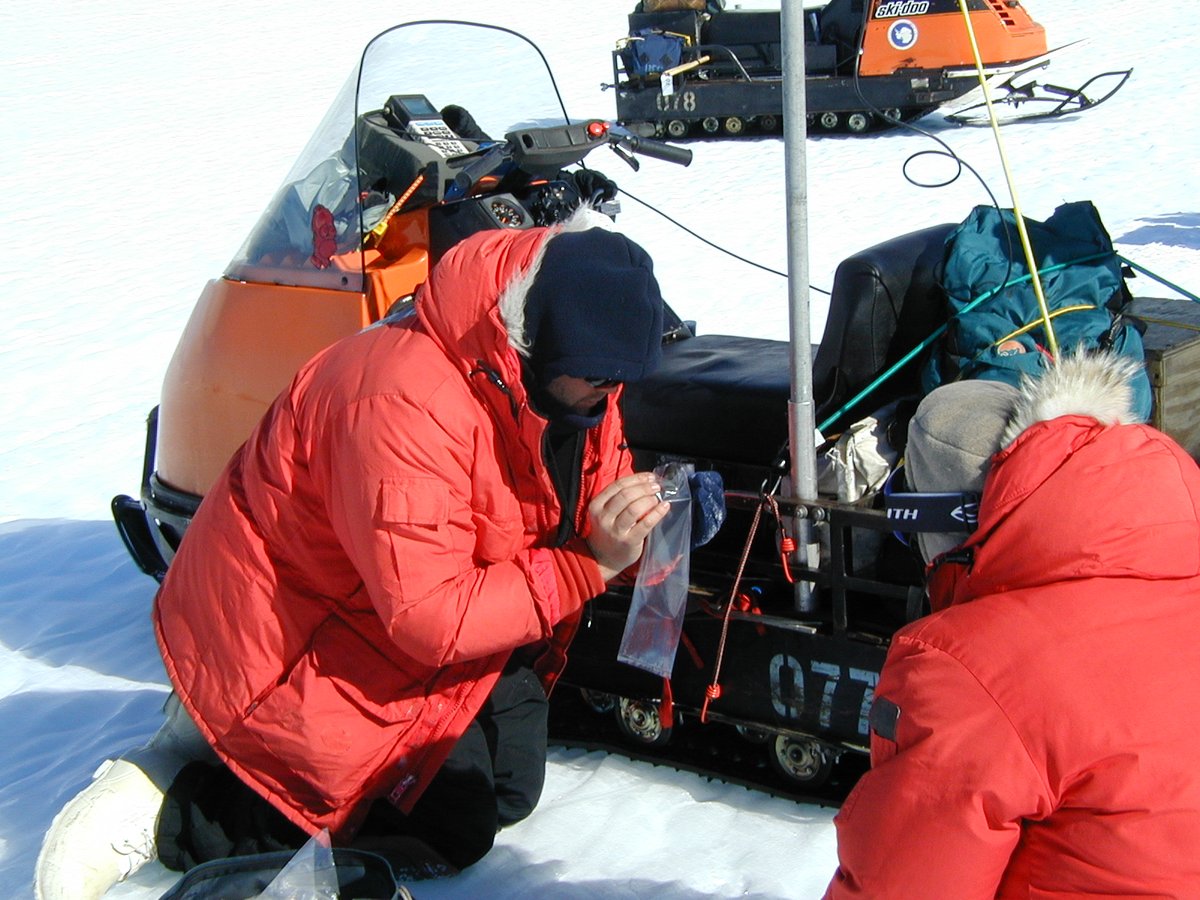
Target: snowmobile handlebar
x: 622, y: 137
x: 548, y: 150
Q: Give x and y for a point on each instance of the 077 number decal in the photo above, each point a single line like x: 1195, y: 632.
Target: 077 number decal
x: 788, y: 678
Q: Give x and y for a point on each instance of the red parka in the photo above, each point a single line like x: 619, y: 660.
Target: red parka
x: 351, y: 588
x: 1037, y: 736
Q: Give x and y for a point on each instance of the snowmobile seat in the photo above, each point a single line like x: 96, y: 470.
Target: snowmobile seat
x: 752, y: 35
x: 723, y: 398
x: 715, y: 397
x: 885, y: 301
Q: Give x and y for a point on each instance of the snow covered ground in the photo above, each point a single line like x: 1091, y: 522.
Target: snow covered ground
x: 141, y: 142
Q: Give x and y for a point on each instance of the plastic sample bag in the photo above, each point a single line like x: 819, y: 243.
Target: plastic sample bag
x: 655, y: 620
x: 314, y: 872
x: 309, y: 875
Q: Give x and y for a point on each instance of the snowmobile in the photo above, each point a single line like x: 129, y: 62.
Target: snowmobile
x: 693, y: 67
x: 383, y: 189
x: 400, y: 170
x: 790, y: 607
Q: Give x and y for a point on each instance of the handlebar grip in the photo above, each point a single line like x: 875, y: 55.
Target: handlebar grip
x: 476, y: 169
x: 658, y: 150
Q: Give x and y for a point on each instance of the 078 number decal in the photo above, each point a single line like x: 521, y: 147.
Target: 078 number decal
x: 684, y: 101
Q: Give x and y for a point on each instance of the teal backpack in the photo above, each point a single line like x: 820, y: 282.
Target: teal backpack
x: 1002, y: 336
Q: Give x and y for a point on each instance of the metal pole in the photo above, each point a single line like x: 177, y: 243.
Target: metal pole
x: 801, y: 416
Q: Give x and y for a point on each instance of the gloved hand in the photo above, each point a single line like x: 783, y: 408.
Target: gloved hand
x: 593, y: 187
x: 463, y: 123
x: 553, y: 202
x: 708, y: 506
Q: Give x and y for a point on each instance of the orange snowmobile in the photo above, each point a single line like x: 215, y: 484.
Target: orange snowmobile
x: 692, y: 66
x: 382, y: 190
x: 402, y: 168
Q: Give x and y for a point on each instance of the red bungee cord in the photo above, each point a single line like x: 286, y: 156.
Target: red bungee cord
x: 713, y: 691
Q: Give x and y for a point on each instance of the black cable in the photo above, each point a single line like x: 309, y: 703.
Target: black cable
x: 705, y: 240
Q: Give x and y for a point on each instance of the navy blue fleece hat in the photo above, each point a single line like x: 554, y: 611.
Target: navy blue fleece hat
x: 594, y: 309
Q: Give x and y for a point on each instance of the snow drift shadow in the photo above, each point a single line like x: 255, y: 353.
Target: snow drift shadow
x: 45, y: 766
x: 80, y: 676
x: 1175, y: 230
x: 69, y: 593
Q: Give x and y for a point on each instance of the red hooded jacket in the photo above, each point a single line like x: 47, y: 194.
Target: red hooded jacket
x: 1036, y: 735
x: 351, y: 588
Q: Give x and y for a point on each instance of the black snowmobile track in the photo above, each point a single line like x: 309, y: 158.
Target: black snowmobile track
x: 713, y: 751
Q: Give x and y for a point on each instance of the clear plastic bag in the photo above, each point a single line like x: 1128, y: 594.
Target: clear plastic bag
x: 655, y: 620
x: 309, y: 875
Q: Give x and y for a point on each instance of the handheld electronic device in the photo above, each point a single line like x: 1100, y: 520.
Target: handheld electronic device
x: 414, y: 115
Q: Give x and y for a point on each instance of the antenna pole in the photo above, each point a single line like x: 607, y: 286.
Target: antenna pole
x: 801, y: 416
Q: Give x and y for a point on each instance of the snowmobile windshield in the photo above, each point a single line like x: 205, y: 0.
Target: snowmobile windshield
x: 426, y: 99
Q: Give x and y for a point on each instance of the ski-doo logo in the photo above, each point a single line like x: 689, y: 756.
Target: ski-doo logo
x: 902, y: 34
x: 901, y: 8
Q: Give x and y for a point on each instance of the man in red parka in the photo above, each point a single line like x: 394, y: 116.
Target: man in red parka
x: 370, y: 604
x: 1036, y: 735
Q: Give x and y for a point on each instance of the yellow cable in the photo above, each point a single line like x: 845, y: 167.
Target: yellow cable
x: 1025, y: 329
x: 1051, y: 340
x: 1171, y: 323
x: 381, y: 226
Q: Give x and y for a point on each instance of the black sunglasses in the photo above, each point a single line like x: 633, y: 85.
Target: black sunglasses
x: 603, y: 382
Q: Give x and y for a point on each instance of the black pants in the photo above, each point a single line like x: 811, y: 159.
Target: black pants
x: 493, y: 777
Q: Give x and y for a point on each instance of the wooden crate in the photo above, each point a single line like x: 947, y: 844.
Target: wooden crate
x: 1172, y: 342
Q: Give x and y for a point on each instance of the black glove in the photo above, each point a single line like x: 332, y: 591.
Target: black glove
x: 463, y: 124
x: 593, y: 187
x: 708, y: 506
x: 554, y: 201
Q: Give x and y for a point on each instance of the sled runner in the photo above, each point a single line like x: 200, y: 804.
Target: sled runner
x: 1020, y: 98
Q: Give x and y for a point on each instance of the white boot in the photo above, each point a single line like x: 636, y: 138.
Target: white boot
x: 101, y: 837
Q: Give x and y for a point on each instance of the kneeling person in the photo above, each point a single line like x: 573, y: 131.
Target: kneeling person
x: 363, y: 617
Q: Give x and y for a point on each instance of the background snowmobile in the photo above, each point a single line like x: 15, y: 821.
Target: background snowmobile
x: 691, y: 67
x: 382, y: 190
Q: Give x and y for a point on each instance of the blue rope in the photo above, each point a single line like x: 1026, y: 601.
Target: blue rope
x: 1159, y: 278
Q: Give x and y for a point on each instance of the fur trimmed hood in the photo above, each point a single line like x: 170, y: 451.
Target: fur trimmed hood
x: 1080, y: 490
x: 1096, y: 385
x: 515, y: 296
x: 482, y: 303
x: 473, y: 302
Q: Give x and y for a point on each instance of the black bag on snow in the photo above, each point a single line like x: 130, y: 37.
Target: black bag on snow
x: 362, y: 875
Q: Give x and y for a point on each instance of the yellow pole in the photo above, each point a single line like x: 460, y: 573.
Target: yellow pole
x: 1012, y: 189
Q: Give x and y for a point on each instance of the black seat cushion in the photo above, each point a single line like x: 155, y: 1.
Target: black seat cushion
x: 885, y: 301
x: 717, y: 397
